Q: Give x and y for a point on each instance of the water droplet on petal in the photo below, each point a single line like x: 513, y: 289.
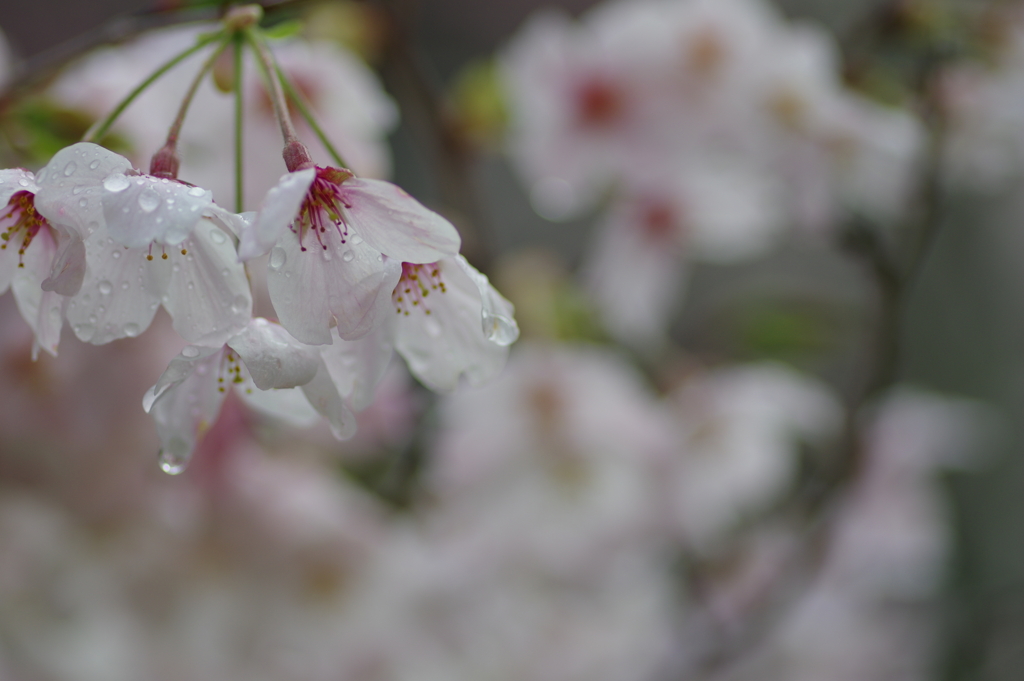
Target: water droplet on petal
x: 174, y: 459
x: 196, y: 191
x: 131, y: 330
x: 94, y: 165
x: 240, y: 304
x: 125, y: 285
x: 191, y: 286
x: 116, y: 183
x: 83, y: 202
x: 217, y: 236
x: 356, y: 239
x: 277, y: 258
x: 500, y: 330
x: 23, y: 182
x: 149, y: 200
x: 115, y: 255
x: 70, y: 168
x: 105, y: 287
x: 348, y: 256
x: 190, y: 351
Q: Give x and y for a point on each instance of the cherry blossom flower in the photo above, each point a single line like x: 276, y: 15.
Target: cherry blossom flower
x: 41, y: 260
x: 336, y: 246
x: 261, y: 362
x: 148, y: 242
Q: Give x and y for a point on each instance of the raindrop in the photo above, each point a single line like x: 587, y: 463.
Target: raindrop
x: 239, y: 304
x: 499, y: 330
x: 105, y: 287
x: 174, y: 459
x: 277, y: 258
x: 125, y: 285
x: 177, y: 267
x: 93, y: 319
x: 94, y: 165
x: 170, y: 202
x: 217, y: 236
x: 77, y: 190
x: 23, y: 182
x: 149, y: 200
x: 115, y: 255
x: 131, y: 330
x: 83, y: 202
x: 190, y: 351
x: 191, y: 286
x: 116, y: 183
x: 356, y: 239
x: 197, y: 191
x: 225, y: 272
x: 70, y: 168
x: 347, y: 256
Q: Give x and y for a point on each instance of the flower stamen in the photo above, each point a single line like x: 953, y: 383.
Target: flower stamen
x: 19, y: 219
x: 415, y: 285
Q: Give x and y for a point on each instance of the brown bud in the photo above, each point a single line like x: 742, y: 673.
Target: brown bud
x: 165, y: 163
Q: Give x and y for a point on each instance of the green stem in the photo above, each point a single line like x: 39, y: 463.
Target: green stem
x: 266, y: 64
x: 172, y: 135
x: 304, y: 108
x: 99, y: 130
x: 239, y: 183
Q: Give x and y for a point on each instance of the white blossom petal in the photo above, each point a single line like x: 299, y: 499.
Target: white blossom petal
x: 67, y: 272
x: 70, y: 186
x: 121, y: 291
x: 184, y: 403
x: 357, y: 367
x: 315, y: 289
x: 42, y: 310
x: 288, y: 404
x: 208, y: 293
x: 280, y: 207
x: 324, y: 397
x: 142, y: 209
x: 449, y: 342
x: 14, y: 180
x: 396, y: 224
x: 496, y: 313
x: 274, y: 359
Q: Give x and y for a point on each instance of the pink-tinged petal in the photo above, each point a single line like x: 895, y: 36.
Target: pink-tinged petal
x: 347, y: 286
x: 208, y: 294
x: 140, y: 210
x: 448, y: 343
x: 357, y: 367
x: 233, y: 223
x: 280, y: 207
x: 42, y: 310
x: 14, y: 180
x: 288, y: 404
x: 120, y: 293
x: 396, y: 224
x: 496, y: 312
x: 274, y: 359
x: 70, y: 186
x: 184, y: 404
x: 68, y: 269
x: 324, y: 397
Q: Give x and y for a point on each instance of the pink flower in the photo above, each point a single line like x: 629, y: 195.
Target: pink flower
x: 336, y: 246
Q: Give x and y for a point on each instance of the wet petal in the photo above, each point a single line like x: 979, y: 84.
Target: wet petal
x: 120, y: 293
x: 14, y: 180
x: 70, y: 186
x: 324, y: 397
x: 42, y: 310
x: 68, y: 269
x: 279, y: 209
x: 287, y: 404
x: 496, y: 313
x: 396, y: 224
x: 208, y: 293
x: 274, y: 359
x: 142, y: 209
x: 449, y: 342
x: 348, y: 286
x: 184, y: 404
x: 357, y: 367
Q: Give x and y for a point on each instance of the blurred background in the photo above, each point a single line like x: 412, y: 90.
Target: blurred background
x: 774, y: 436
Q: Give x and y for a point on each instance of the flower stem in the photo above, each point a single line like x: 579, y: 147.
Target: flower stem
x: 307, y: 113
x: 266, y: 63
x: 172, y: 134
x: 99, y: 130
x: 239, y: 183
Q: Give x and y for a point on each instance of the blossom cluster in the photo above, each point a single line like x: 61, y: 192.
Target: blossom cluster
x: 708, y: 129
x: 356, y: 269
